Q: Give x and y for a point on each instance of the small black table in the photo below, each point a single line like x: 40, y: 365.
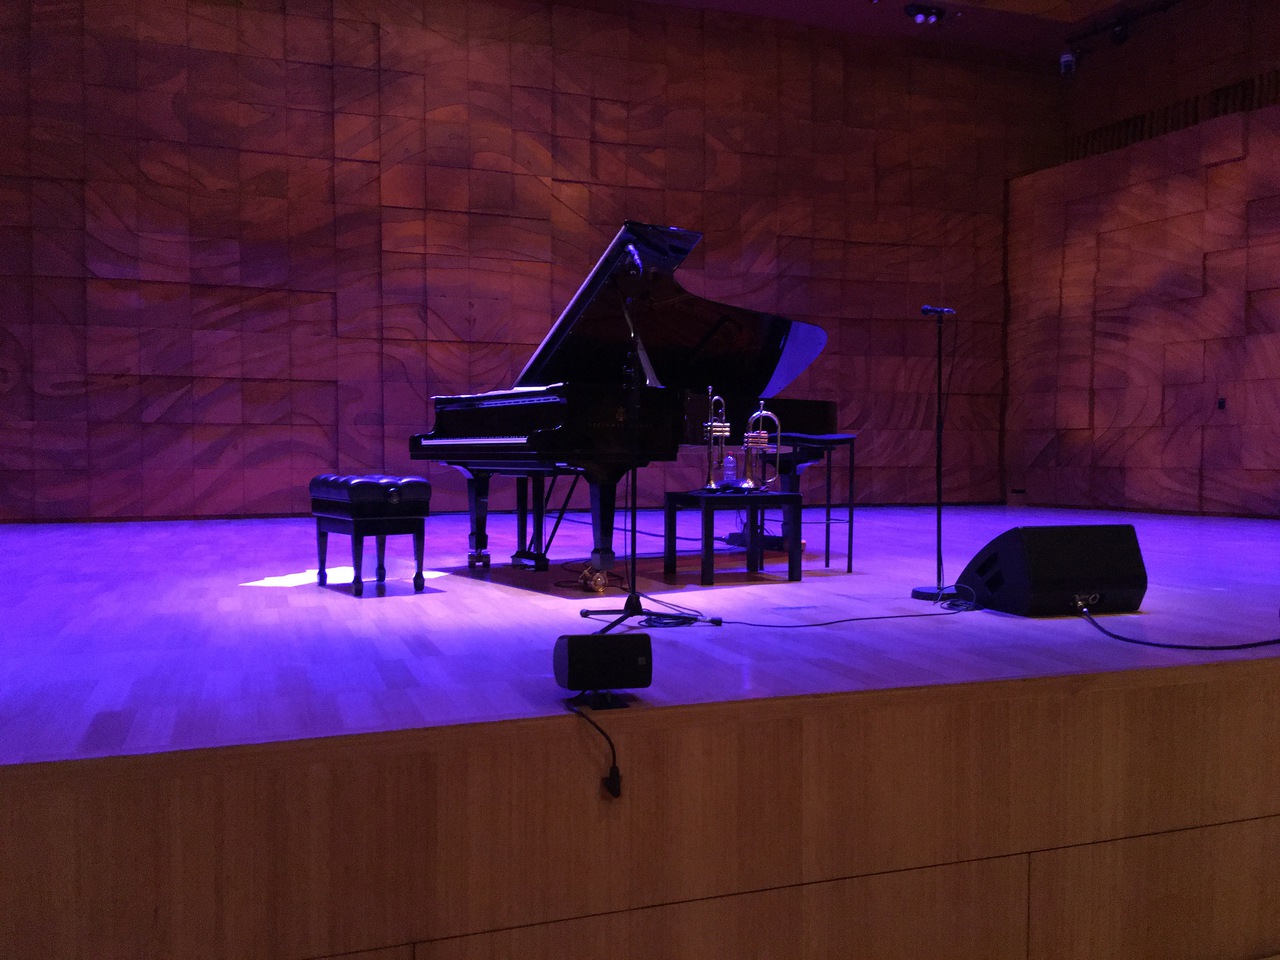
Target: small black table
x: 754, y: 503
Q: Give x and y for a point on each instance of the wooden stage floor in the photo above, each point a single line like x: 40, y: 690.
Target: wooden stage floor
x: 136, y: 638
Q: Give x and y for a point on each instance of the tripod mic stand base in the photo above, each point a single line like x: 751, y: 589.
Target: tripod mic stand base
x: 935, y: 594
x: 631, y: 608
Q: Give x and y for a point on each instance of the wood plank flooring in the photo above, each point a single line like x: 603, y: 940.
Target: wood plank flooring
x: 131, y: 638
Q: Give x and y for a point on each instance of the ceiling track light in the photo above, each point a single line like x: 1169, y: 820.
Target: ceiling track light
x: 1118, y: 28
x: 922, y: 14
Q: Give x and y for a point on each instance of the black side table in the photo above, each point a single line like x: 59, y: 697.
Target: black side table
x: 709, y: 501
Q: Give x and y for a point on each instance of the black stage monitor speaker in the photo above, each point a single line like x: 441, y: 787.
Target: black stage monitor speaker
x: 1052, y: 571
x: 603, y: 661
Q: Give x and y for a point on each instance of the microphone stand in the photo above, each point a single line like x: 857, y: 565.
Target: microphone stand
x: 639, y: 370
x: 938, y: 593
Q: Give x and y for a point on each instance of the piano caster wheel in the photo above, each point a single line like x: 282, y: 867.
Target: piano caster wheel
x: 594, y: 580
x: 419, y: 582
x: 478, y: 560
x: 357, y: 588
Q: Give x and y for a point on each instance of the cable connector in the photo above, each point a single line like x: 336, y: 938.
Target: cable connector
x: 613, y: 782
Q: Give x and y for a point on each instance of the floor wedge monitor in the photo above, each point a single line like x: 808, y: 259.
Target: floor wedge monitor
x: 1052, y: 571
x: 603, y: 661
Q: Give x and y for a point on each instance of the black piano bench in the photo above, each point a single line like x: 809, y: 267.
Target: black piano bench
x: 372, y: 506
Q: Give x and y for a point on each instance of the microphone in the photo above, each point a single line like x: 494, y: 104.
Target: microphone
x: 929, y: 311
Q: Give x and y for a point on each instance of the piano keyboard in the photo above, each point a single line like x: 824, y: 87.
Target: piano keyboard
x: 464, y: 441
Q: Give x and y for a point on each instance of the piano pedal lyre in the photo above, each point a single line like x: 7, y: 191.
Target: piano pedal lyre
x: 593, y: 580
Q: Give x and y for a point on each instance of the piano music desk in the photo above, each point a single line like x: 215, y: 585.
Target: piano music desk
x: 755, y: 503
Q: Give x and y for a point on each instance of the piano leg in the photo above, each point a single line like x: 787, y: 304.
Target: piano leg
x: 478, y: 507
x: 604, y: 500
x: 531, y: 552
x: 539, y: 520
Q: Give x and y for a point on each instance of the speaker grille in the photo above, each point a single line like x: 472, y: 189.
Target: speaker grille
x: 608, y: 661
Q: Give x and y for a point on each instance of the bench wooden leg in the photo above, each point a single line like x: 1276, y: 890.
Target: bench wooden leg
x: 419, y: 538
x: 379, y: 528
x: 322, y: 548
x: 357, y: 562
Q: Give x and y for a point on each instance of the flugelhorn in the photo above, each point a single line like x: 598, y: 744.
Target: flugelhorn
x: 757, y: 444
x: 714, y: 432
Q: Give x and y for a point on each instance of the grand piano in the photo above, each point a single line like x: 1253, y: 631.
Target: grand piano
x: 620, y: 381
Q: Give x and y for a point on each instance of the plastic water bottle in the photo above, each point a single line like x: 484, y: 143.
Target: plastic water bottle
x: 730, y: 476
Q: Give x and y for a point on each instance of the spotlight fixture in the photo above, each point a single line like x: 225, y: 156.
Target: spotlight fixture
x: 924, y: 14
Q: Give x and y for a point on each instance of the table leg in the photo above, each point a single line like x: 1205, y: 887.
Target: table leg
x: 793, y: 517
x: 826, y: 557
x: 669, y: 540
x: 708, y: 543
x: 755, y: 539
x: 849, y: 562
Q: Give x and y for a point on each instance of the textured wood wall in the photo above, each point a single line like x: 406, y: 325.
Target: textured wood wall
x: 242, y: 243
x: 1144, y: 346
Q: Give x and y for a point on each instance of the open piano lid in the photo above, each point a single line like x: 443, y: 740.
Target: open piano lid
x: 685, y: 342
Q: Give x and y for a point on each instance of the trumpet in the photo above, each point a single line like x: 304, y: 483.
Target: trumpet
x: 757, y: 444
x: 714, y: 432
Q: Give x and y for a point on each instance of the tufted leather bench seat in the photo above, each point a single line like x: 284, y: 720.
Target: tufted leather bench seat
x: 370, y: 506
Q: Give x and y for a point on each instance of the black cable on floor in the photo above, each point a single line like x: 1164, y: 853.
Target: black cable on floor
x: 1249, y: 645
x: 952, y: 610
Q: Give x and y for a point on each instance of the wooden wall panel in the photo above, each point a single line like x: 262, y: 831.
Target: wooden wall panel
x: 1200, y: 893
x: 994, y: 775
x: 264, y: 217
x: 1159, y: 305
x: 975, y: 909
